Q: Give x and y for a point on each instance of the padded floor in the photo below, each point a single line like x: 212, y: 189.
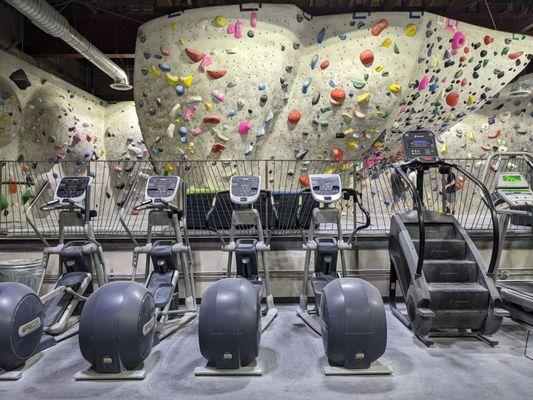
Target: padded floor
x: 291, y: 358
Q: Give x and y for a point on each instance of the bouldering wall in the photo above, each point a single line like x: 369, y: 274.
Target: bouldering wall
x: 276, y: 83
x: 503, y: 123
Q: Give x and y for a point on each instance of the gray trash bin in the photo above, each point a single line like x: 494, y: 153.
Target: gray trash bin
x: 27, y: 272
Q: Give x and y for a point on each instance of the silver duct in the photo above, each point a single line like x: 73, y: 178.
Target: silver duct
x: 49, y: 20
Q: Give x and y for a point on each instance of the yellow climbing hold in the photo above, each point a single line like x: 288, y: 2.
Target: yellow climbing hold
x: 170, y: 168
x: 191, y: 148
x: 410, y: 29
x: 171, y: 79
x: 379, y: 68
x: 173, y: 26
x: 345, y: 166
x: 471, y: 136
x: 177, y: 120
x: 221, y: 21
x: 102, y: 152
x: 329, y: 170
x: 187, y: 80
x: 222, y: 137
x: 348, y: 132
x: 444, y: 149
x: 379, y: 113
x: 181, y: 41
x: 352, y: 144
x: 470, y: 100
x: 395, y: 88
x: 363, y: 98
x: 347, y: 117
x: 386, y: 43
x: 208, y: 106
x: 155, y: 72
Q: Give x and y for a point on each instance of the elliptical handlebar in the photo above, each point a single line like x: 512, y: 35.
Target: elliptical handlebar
x: 347, y: 193
x: 299, y: 208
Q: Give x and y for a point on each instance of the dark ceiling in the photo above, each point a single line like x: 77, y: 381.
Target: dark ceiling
x: 111, y: 25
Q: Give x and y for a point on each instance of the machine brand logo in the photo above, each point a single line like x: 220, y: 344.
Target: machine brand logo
x: 29, y: 327
x: 147, y: 328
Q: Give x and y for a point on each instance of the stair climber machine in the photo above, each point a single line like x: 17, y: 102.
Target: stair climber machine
x: 30, y: 324
x: 231, y: 320
x: 447, y: 288
x: 122, y: 321
x: 349, y: 313
x: 513, y: 199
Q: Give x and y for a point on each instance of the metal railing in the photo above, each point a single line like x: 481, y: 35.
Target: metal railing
x: 202, y: 179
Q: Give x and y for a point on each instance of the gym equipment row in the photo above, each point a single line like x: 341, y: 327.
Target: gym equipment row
x: 447, y: 287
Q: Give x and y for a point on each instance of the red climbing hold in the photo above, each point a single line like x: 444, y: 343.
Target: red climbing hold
x: 463, y: 82
x: 338, y: 95
x: 294, y: 116
x: 218, y: 148
x: 212, y: 120
x: 304, y: 180
x: 514, y: 56
x: 336, y: 154
x: 89, y: 138
x: 216, y: 74
x: 366, y: 57
x: 324, y: 64
x: 194, y: 56
x: 496, y: 135
x: 452, y: 99
x: 487, y: 40
x: 381, y: 25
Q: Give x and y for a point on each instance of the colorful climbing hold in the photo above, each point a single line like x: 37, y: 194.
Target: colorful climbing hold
x: 216, y: 74
x: 4, y: 203
x: 314, y: 61
x: 171, y: 79
x: 395, y: 88
x: 514, y: 56
x: 294, y: 116
x: 338, y: 95
x: 452, y: 99
x: 194, y: 56
x: 458, y: 40
x: 336, y: 154
x: 321, y: 34
x: 363, y: 98
x: 410, y: 29
x: 424, y: 82
x: 187, y: 80
x: 386, y: 43
x: 221, y: 22
x: 213, y: 119
x: 218, y: 95
x: 244, y: 127
x: 324, y: 64
x: 366, y: 57
x: 304, y: 180
x: 218, y: 148
x: 379, y: 26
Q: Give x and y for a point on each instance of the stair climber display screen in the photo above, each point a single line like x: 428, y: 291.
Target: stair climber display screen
x: 421, y: 146
x: 245, y: 189
x: 72, y: 188
x: 514, y: 189
x: 162, y: 188
x: 325, y: 188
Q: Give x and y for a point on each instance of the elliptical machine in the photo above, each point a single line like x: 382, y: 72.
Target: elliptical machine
x: 231, y: 320
x: 448, y: 289
x: 29, y: 324
x: 349, y: 313
x: 122, y: 321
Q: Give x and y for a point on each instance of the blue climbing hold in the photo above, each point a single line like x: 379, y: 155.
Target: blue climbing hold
x: 233, y: 113
x: 306, y: 85
x: 165, y: 67
x: 262, y: 86
x: 321, y: 34
x: 182, y: 131
x: 342, y: 37
x: 184, y: 139
x: 332, y: 84
x: 314, y: 60
x: 180, y: 90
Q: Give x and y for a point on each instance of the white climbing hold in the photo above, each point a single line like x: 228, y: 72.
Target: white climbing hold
x: 193, y: 99
x: 170, y: 130
x: 175, y: 109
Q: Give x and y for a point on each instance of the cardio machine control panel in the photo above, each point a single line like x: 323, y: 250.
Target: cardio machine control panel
x: 420, y: 146
x: 325, y: 188
x: 161, y: 188
x: 72, y: 189
x: 245, y: 189
x: 514, y: 189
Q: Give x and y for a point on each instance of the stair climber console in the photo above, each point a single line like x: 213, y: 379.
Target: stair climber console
x: 447, y: 287
x: 349, y: 313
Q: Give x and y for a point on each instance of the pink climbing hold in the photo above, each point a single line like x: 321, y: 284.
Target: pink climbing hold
x: 366, y: 57
x: 253, y: 19
x: 423, y: 83
x: 458, y: 41
x: 244, y: 127
x: 189, y: 113
x: 196, y: 131
x: 231, y: 29
x: 238, y: 29
x: 218, y: 95
x: 205, y: 62
x: 76, y: 138
x: 194, y: 56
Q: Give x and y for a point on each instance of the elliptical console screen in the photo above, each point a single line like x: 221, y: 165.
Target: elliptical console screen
x: 325, y: 188
x: 72, y: 188
x: 162, y: 188
x: 245, y: 189
x: 421, y: 146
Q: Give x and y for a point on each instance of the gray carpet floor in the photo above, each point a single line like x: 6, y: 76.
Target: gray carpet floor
x: 292, y: 357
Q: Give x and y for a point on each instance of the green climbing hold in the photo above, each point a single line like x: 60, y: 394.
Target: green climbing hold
x: 4, y: 204
x: 385, y: 74
x: 26, y: 196
x: 358, y: 84
x: 366, y: 77
x: 325, y: 109
x: 396, y: 49
x: 485, y: 62
x: 505, y: 51
x: 458, y: 74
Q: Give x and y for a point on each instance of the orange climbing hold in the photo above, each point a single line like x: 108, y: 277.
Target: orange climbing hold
x: 304, y: 180
x: 452, y: 99
x: 379, y: 27
x: 12, y: 185
x: 212, y: 120
x: 324, y: 64
x: 338, y: 95
x: 336, y: 154
x: 464, y: 82
x: 194, y: 56
x: 514, y: 56
x: 496, y: 135
x: 294, y: 116
x: 217, y: 74
x: 366, y: 57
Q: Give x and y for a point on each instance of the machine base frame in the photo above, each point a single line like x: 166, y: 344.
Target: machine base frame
x: 90, y: 374
x: 376, y: 368
x: 252, y: 369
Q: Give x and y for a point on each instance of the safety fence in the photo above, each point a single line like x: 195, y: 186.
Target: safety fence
x: 379, y: 194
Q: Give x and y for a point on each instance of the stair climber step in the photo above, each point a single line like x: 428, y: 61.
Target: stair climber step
x: 458, y: 296
x: 438, y: 249
x: 460, y: 271
x: 433, y: 231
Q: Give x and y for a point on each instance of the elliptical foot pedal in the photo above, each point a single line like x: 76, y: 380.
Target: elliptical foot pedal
x: 268, y: 318
x: 91, y: 375
x: 376, y: 368
x: 488, y: 339
x: 428, y: 342
x: 252, y: 369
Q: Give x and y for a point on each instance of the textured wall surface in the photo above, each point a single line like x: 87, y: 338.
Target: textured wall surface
x: 220, y: 82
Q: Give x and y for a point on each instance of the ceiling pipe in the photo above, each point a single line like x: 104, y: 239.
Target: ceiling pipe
x: 44, y: 16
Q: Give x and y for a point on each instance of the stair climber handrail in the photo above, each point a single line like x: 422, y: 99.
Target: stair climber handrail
x: 420, y: 207
x: 487, y: 200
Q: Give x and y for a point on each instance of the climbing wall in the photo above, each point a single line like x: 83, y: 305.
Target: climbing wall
x: 230, y: 83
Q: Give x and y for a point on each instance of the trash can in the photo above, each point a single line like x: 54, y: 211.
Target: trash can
x: 27, y: 272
